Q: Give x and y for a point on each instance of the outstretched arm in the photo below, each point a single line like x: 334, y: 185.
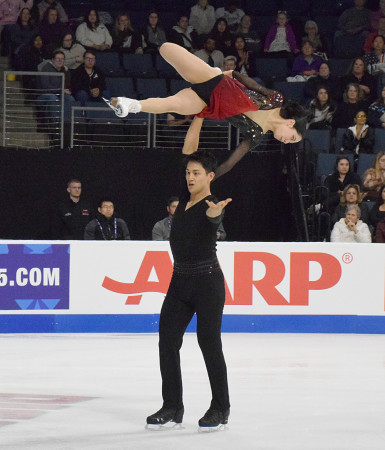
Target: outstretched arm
x: 250, y: 83
x: 191, y: 141
x: 235, y: 157
x: 216, y: 209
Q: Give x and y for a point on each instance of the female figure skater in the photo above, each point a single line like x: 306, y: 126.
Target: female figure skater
x: 229, y: 95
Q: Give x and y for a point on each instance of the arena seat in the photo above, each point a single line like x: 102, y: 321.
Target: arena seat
x: 138, y: 65
x: 365, y: 162
x: 154, y: 87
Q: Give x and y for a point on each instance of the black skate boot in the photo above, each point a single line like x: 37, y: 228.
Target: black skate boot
x: 214, y: 420
x: 165, y: 418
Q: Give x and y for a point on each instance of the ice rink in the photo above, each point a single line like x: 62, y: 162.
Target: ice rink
x: 288, y: 391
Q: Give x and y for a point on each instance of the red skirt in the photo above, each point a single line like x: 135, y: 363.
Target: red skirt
x: 227, y: 99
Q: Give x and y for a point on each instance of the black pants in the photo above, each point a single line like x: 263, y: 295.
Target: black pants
x: 204, y: 295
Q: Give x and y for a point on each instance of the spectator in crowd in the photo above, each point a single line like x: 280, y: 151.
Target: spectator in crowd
x: 52, y: 85
x: 355, y: 20
x: 22, y: 31
x: 209, y: 55
x: 380, y: 232
x: 89, y: 83
x: 376, y: 16
x: 229, y: 63
x: 312, y: 35
x: 93, y: 34
x: 351, y: 228
x: 323, y: 79
x: 351, y: 195
x: 45, y: 4
x: 358, y: 74
x: 280, y: 41
x: 376, y: 113
x: 9, y: 13
x: 375, y: 60
x: 232, y: 13
x: 358, y: 138
x: 184, y: 35
x: 307, y: 63
x: 51, y: 30
x: 222, y: 36
x: 71, y: 215
x: 28, y: 59
x: 245, y: 59
x: 336, y: 182
x: 124, y: 37
x: 377, y: 213
x: 73, y: 51
x: 380, y: 31
x: 154, y: 34
x: 202, y: 17
x: 322, y: 110
x: 251, y: 37
x: 106, y: 226
x: 353, y: 101
x: 161, y: 230
x: 374, y: 178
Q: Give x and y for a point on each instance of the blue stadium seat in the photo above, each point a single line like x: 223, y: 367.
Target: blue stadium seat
x: 338, y: 141
x: 327, y: 25
x: 164, y: 69
x: 379, y: 140
x: 271, y: 67
x: 178, y: 85
x: 292, y: 91
x: 263, y: 23
x: 326, y: 163
x: 138, y: 65
x: 109, y: 63
x: 339, y: 67
x: 154, y: 87
x: 121, y: 87
x: 319, y: 140
x: 365, y: 162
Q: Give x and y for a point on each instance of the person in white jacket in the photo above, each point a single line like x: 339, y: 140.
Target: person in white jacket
x: 351, y: 229
x: 202, y: 17
x: 93, y: 34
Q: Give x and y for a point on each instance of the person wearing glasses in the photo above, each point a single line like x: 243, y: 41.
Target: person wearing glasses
x: 73, y: 51
x: 89, y: 83
x: 358, y: 138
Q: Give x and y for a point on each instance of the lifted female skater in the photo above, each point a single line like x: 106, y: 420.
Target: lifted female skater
x: 229, y: 95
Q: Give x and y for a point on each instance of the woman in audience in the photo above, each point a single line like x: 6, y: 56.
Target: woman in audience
x: 375, y: 60
x: 28, y: 59
x: 222, y: 36
x: 73, y: 51
x: 153, y: 34
x: 51, y: 30
x: 358, y: 74
x: 337, y: 182
x: 376, y: 112
x: 377, y: 213
x: 124, y: 37
x: 93, y: 34
x: 10, y: 11
x: 245, y: 59
x: 22, y: 31
x: 351, y: 228
x: 351, y: 195
x: 307, y: 63
x: 323, y: 79
x: 322, y: 109
x: 358, y: 138
x: 252, y: 38
x: 280, y: 41
x: 353, y: 101
x: 374, y: 178
x: 312, y: 35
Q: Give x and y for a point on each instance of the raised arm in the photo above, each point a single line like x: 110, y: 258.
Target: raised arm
x: 191, y: 141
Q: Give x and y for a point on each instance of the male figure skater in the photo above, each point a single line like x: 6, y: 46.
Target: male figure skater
x: 197, y: 286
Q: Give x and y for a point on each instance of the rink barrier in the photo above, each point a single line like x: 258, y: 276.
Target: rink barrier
x: 119, y: 287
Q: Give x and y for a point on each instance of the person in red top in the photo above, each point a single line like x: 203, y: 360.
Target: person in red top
x: 219, y: 96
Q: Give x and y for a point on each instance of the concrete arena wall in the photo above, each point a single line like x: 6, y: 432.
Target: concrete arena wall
x: 75, y: 286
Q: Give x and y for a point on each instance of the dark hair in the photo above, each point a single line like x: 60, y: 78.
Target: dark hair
x: 338, y: 159
x: 205, y: 158
x: 293, y: 110
x: 29, y: 20
x: 86, y: 19
x: 105, y: 200
x: 379, y: 199
x: 73, y: 180
x: 57, y: 52
x: 172, y: 200
x: 90, y: 52
x: 46, y: 14
x: 350, y: 69
x: 307, y: 41
x: 378, y: 36
x: 316, y: 99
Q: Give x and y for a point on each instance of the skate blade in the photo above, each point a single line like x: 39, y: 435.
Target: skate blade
x: 221, y: 427
x: 167, y: 426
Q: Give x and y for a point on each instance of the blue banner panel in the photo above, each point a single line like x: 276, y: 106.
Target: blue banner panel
x: 34, y: 277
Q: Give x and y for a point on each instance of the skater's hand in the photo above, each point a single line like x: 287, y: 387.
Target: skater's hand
x: 215, y: 209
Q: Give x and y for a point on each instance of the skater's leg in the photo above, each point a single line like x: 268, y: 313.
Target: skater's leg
x: 189, y: 66
x: 174, y: 318
x: 209, y: 310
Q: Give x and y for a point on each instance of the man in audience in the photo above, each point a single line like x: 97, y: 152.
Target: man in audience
x: 45, y: 4
x: 89, y: 83
x: 106, y: 226
x: 161, y: 230
x: 232, y: 13
x: 71, y: 215
x: 209, y: 55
